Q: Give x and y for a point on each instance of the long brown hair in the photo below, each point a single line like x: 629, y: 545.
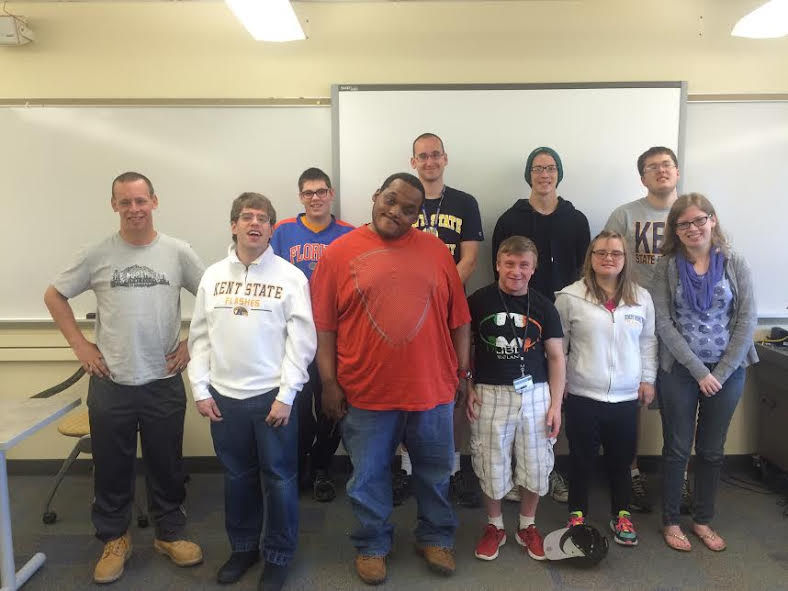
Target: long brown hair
x: 626, y: 288
x: 671, y: 244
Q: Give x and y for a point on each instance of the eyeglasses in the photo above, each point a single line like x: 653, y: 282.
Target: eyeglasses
x: 666, y: 165
x: 616, y: 255
x: 321, y: 193
x: 250, y: 217
x: 550, y: 168
x: 698, y: 222
x: 424, y: 156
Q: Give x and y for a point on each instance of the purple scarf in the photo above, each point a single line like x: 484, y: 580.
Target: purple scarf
x: 699, y: 290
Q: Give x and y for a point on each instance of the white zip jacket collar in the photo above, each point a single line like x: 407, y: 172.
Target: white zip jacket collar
x: 608, y: 353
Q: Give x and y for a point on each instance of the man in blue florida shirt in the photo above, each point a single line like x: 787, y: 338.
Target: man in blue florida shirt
x: 302, y: 240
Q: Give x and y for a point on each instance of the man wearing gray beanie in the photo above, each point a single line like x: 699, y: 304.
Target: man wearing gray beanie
x: 560, y: 231
x: 561, y: 235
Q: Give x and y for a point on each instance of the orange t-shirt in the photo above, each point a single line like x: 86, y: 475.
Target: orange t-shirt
x: 392, y: 304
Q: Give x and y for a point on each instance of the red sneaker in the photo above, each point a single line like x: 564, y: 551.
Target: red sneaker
x: 530, y: 539
x: 492, y: 539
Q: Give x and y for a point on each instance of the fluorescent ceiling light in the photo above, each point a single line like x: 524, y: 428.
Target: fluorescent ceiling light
x: 268, y: 20
x: 765, y: 22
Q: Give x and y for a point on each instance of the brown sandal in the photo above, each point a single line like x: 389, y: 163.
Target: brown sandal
x: 711, y: 540
x: 678, y: 542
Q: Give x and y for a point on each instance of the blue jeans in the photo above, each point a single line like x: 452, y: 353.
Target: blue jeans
x: 370, y: 438
x: 680, y: 402
x: 246, y: 446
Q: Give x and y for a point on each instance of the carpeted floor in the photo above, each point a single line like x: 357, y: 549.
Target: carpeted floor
x: 752, y: 523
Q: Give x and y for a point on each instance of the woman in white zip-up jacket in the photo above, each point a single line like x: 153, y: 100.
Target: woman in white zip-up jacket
x: 611, y: 349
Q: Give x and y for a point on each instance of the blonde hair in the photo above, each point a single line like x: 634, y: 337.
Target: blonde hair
x: 626, y: 287
x: 517, y: 245
x: 671, y: 244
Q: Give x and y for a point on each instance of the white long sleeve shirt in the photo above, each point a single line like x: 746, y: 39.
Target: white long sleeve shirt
x: 608, y: 353
x: 252, y: 329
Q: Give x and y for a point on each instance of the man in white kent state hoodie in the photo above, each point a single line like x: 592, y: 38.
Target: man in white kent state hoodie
x: 251, y: 340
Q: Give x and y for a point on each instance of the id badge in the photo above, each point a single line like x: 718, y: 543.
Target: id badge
x: 523, y: 384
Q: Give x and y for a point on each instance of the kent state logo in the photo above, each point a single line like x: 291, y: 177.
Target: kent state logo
x: 495, y: 331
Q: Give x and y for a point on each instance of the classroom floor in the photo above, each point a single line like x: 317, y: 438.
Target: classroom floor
x: 752, y: 523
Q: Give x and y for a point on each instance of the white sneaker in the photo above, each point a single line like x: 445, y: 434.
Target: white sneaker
x: 559, y: 489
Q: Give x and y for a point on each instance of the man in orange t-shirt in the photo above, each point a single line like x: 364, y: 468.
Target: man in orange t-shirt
x: 393, y: 339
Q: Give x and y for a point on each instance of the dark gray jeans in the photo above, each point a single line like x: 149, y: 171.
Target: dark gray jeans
x: 680, y: 402
x: 116, y: 413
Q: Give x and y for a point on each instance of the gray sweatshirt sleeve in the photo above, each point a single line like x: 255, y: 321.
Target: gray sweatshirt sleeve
x: 667, y: 331
x: 745, y: 319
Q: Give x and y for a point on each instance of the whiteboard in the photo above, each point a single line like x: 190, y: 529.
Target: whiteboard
x: 599, y: 130
x: 737, y: 155
x: 57, y: 164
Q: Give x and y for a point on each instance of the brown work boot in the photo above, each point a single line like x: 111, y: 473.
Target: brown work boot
x: 371, y: 569
x: 181, y: 552
x: 439, y: 559
x: 109, y: 568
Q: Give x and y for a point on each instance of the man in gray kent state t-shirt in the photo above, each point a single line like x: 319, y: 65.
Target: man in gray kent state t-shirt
x: 642, y: 222
x: 134, y: 367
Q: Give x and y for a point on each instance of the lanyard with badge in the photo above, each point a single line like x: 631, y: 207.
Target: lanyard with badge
x: 428, y: 227
x: 525, y: 382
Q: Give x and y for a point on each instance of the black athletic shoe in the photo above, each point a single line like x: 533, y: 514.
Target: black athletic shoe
x: 324, y: 489
x: 305, y: 475
x: 640, y: 500
x: 235, y: 567
x: 273, y: 577
x: 400, y: 487
x: 464, y: 488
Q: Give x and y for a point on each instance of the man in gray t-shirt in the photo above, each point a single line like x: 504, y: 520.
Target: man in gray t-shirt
x: 642, y: 223
x: 134, y: 367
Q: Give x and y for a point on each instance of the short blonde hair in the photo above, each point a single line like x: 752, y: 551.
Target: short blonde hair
x: 517, y: 245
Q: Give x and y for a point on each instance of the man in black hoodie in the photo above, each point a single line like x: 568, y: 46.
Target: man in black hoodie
x: 560, y: 231
x: 561, y: 235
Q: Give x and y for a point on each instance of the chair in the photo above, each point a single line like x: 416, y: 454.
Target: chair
x: 75, y: 425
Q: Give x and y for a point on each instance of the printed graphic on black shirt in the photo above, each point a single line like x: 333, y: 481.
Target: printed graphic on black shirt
x: 498, y: 342
x: 137, y: 276
x: 497, y: 334
x: 455, y: 217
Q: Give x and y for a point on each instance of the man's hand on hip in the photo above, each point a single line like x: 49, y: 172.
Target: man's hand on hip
x: 91, y: 359
x: 178, y: 359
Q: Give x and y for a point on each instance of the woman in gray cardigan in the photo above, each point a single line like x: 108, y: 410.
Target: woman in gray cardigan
x: 705, y: 319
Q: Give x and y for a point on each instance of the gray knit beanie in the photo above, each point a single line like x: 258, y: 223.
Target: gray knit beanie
x: 543, y: 150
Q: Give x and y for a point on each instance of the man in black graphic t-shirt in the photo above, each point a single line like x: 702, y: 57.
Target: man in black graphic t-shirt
x: 449, y: 213
x: 453, y: 216
x: 514, y: 398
